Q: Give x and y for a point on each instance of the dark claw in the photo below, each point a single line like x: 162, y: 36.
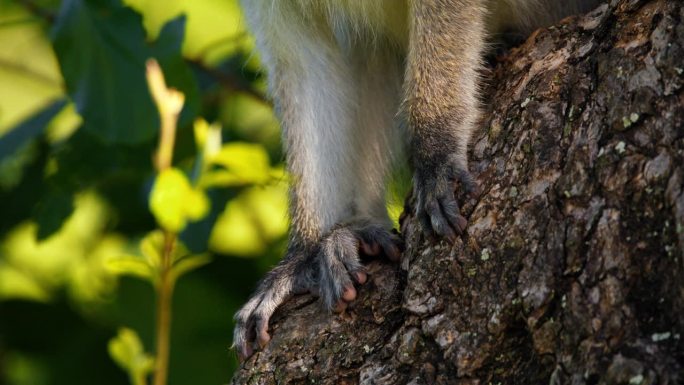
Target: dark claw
x: 451, y: 212
x: 461, y: 222
x: 371, y: 249
x: 438, y: 222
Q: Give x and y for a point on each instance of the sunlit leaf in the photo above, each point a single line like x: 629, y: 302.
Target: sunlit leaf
x: 29, y: 73
x: 188, y: 264
x: 215, y: 28
x: 65, y: 124
x: 151, y: 247
x: 17, y: 284
x: 91, y: 281
x: 127, y: 351
x: 269, y: 205
x: 173, y: 201
x: 29, y: 128
x: 168, y: 199
x: 235, y: 232
x: 207, y: 137
x: 196, y: 205
x: 130, y: 265
x: 257, y: 216
x: 242, y: 163
x: 52, y: 260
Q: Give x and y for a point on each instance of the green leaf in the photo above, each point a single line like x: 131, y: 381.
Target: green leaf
x: 102, y: 51
x: 29, y: 128
x: 188, y: 264
x: 131, y: 265
x: 52, y: 211
x: 127, y: 351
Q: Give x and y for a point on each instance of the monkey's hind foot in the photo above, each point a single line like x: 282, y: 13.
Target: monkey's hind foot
x: 330, y: 271
x: 339, y: 260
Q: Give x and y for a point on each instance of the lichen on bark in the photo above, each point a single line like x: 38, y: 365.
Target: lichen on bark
x: 572, y: 269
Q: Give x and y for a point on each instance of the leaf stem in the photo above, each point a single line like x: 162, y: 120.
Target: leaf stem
x: 169, y: 103
x: 164, y: 295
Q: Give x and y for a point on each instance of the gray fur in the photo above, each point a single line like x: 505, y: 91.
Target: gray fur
x: 346, y: 75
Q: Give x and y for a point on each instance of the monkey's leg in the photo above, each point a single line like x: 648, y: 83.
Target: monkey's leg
x: 377, y: 144
x: 447, y: 39
x: 315, y: 90
x: 380, y: 137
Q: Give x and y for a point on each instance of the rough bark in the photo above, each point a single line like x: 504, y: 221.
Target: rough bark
x: 572, y: 271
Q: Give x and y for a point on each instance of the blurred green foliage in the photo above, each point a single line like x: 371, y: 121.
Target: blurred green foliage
x: 78, y: 189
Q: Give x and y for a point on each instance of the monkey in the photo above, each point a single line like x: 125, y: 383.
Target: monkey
x: 359, y: 85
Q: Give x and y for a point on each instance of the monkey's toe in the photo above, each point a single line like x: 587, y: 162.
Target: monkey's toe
x: 340, y: 262
x: 252, y: 320
x: 437, y: 208
x: 251, y: 329
x: 376, y: 241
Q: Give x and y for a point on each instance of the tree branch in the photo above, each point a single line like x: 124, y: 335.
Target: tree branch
x: 572, y: 271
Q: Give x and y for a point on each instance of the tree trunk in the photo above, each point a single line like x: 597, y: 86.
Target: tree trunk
x: 572, y: 271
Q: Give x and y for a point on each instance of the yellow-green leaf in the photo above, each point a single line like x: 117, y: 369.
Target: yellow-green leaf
x: 167, y: 200
x: 131, y: 265
x: 196, y: 205
x: 151, y: 247
x: 127, y: 351
x: 235, y: 232
x: 250, y: 221
x: 243, y: 163
x: 173, y: 201
x: 188, y: 264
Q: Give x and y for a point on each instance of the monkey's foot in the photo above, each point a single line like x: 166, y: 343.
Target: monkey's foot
x: 436, y: 206
x: 329, y: 272
x: 340, y: 263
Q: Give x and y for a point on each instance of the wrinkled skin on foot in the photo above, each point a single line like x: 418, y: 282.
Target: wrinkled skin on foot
x: 331, y: 270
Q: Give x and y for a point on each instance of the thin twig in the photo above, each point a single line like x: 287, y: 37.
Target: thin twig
x: 220, y: 42
x: 164, y: 295
x: 229, y: 81
x: 37, y: 10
